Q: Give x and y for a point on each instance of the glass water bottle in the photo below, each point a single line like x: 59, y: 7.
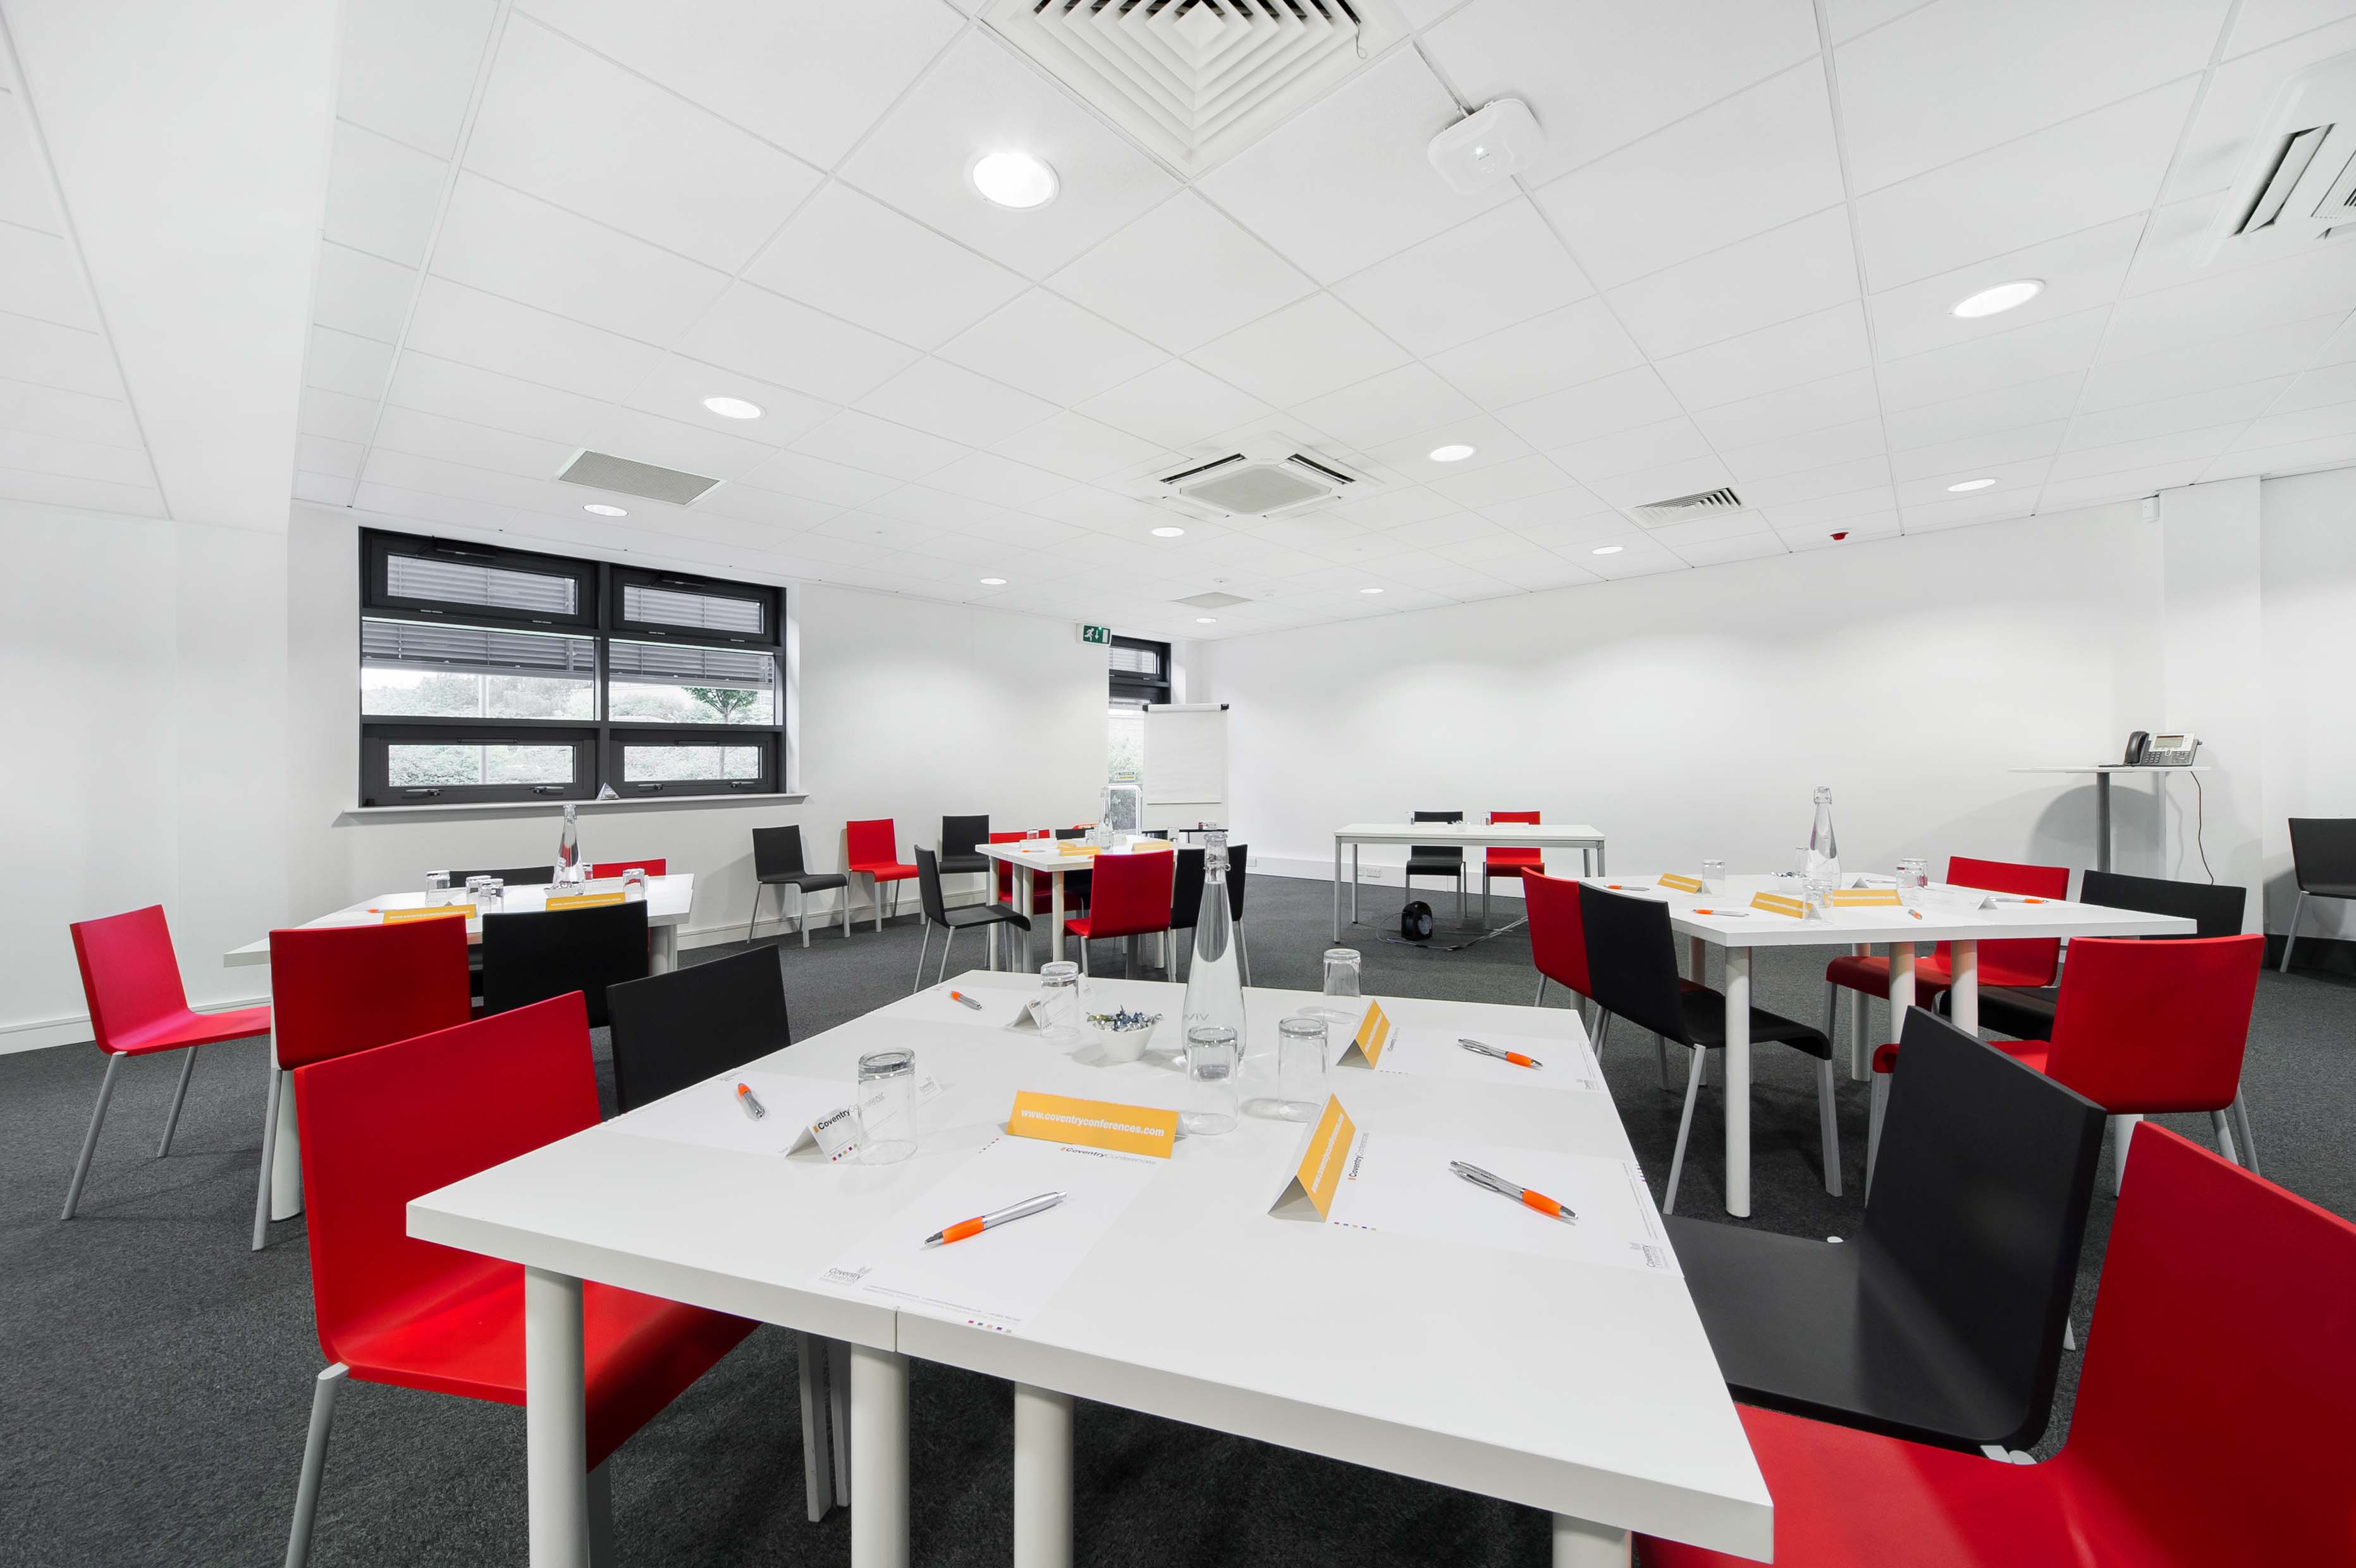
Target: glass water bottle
x: 568, y: 847
x: 1824, y: 849
x: 1215, y: 985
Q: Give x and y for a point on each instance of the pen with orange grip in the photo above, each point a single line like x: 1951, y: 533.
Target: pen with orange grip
x: 1522, y: 1195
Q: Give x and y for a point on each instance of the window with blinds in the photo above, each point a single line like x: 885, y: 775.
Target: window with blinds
x: 489, y: 675
x: 1140, y: 672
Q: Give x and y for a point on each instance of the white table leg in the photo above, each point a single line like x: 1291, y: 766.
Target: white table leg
x: 1027, y: 886
x: 1042, y: 1479
x: 879, y: 1458
x: 1337, y: 886
x: 1578, y: 1544
x: 1353, y: 884
x: 662, y: 956
x: 1056, y: 915
x: 1737, y: 1092
x: 1902, y: 986
x: 1861, y: 1055
x: 556, y: 1428
x: 286, y: 1154
x: 1964, y: 957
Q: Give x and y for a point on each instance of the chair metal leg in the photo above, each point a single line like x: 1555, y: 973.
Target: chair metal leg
x: 1828, y: 1127
x: 1083, y: 957
x: 2069, y: 1335
x: 2217, y: 1125
x: 2291, y: 935
x: 845, y: 902
x: 171, y: 1121
x: 2122, y: 1130
x: 1832, y: 1010
x: 801, y: 912
x: 1460, y: 895
x: 89, y: 1138
x: 1539, y: 1000
x: 1129, y: 958
x: 274, y: 1091
x: 923, y: 943
x: 2248, y: 1140
x: 1873, y: 1127
x: 1243, y: 952
x: 948, y: 938
x: 758, y: 889
x: 1684, y: 1131
x: 599, y: 1534
x: 314, y: 1463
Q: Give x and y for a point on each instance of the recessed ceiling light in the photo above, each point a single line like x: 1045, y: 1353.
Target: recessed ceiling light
x: 993, y: 583
x: 1608, y: 549
x: 1207, y: 620
x: 1454, y: 452
x: 732, y: 408
x: 1370, y: 590
x: 1014, y: 179
x: 2003, y: 297
x: 605, y: 511
x: 1169, y: 533
x: 1970, y: 484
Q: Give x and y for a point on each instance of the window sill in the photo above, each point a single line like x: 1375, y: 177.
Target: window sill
x: 493, y: 809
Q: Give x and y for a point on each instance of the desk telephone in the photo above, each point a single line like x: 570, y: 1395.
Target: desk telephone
x: 2148, y: 750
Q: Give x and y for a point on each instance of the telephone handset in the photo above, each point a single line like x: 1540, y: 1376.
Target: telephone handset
x: 2148, y: 750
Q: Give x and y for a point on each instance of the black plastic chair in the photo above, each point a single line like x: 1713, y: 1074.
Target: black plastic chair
x: 1187, y: 901
x: 2323, y: 862
x: 1631, y: 961
x: 531, y: 956
x: 777, y: 862
x: 2028, y: 1014
x: 952, y: 921
x: 962, y: 841
x: 511, y: 876
x: 1076, y: 883
x: 1437, y: 859
x: 1941, y: 1322
x: 672, y: 1030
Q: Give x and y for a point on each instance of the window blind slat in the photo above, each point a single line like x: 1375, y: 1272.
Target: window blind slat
x: 700, y: 666
x: 475, y: 650
x: 493, y: 587
x: 679, y: 607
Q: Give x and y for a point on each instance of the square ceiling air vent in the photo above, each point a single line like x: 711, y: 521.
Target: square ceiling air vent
x: 603, y: 471
x: 1686, y: 508
x: 1214, y: 601
x: 1269, y: 475
x: 1196, y: 81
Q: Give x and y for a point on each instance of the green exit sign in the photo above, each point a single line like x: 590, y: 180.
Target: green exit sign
x: 1097, y: 635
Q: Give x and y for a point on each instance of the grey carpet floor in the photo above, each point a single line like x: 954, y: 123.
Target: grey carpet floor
x: 155, y: 1375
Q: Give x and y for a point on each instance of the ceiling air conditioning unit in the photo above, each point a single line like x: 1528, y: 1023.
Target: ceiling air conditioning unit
x: 1686, y: 508
x: 2299, y: 185
x: 1270, y: 476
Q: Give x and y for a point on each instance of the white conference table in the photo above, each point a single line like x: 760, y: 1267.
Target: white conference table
x: 1857, y: 927
x: 1586, y: 1391
x: 668, y: 899
x: 1033, y: 858
x: 1579, y: 836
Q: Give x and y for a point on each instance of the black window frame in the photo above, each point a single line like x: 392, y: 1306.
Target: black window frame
x: 598, y: 743
x: 1127, y: 689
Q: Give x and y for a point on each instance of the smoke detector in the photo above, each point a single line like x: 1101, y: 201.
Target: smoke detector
x: 1268, y: 476
x: 1196, y: 81
x: 1488, y: 147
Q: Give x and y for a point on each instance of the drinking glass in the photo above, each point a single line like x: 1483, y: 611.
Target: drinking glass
x: 489, y: 894
x: 1713, y: 876
x: 1914, y: 875
x: 1817, y: 893
x: 1059, y: 1000
x: 1213, y: 1102
x: 887, y: 1106
x: 633, y: 884
x: 1342, y: 967
x: 1300, y: 1067
x: 437, y: 889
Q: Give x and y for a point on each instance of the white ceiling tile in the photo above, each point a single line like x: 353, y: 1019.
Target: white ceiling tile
x: 1555, y: 514
x: 2070, y: 176
x: 40, y: 278
x: 52, y: 411
x: 2222, y: 362
x: 1022, y: 530
x: 1103, y: 510
x: 322, y: 412
x: 1988, y: 505
x: 2332, y: 451
x: 2079, y: 271
x: 1444, y: 536
x: 1982, y: 413
x: 1300, y: 351
x: 383, y: 196
x: 1578, y: 343
x: 24, y: 196
x: 769, y: 508
x: 853, y: 257
x: 508, y: 243
x: 2331, y: 384
x: 1750, y: 162
x: 863, y: 441
x: 356, y: 366
x: 935, y: 509
x: 1182, y: 275
x: 361, y: 294
x: 1815, y: 484
x: 1979, y: 452
x: 1854, y: 530
x: 980, y: 100
x: 324, y: 489
x: 1345, y: 183
x: 1491, y: 444
x: 477, y: 446
x: 672, y: 443
x: 818, y: 479
x: 2068, y: 492
x: 1824, y: 511
x: 2264, y: 22
x: 1742, y: 547
x: 94, y: 495
x: 2138, y: 421
x: 1642, y: 558
x: 409, y: 67
x: 1594, y: 408
x: 34, y: 452
x: 1538, y: 570
x: 2177, y: 446
x: 1052, y: 348
x: 1173, y: 405
x: 1710, y: 529
x: 1493, y: 272
x: 949, y: 400
x: 2027, y: 63
x: 1076, y: 447
x: 1652, y: 445
x: 476, y: 328
x: 2308, y: 282
x: 2240, y: 92
x: 811, y: 79
x: 1395, y: 508
x: 444, y: 387
x: 1785, y: 273
x: 1835, y: 400
x: 873, y: 529
x: 2005, y: 358
x: 1598, y: 76
x: 677, y: 386
x: 1937, y: 488
x: 1806, y: 348
x: 1846, y: 18
x: 1515, y: 481
x: 1809, y: 451
x: 2321, y: 422
x: 986, y: 476
x: 577, y: 128
x: 461, y: 481
x: 779, y: 340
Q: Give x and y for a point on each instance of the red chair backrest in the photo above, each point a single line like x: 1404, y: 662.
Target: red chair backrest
x: 382, y: 1127
x: 1131, y: 893
x: 130, y: 976
x: 1005, y: 871
x: 336, y: 989
x: 872, y: 843
x: 1558, y: 932
x: 2156, y: 1026
x: 654, y: 867
x: 1522, y: 856
x: 2032, y: 961
x: 2214, y: 1407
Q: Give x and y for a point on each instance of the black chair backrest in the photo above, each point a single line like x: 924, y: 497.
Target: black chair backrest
x: 1632, y: 959
x: 531, y: 956
x: 963, y: 836
x: 672, y: 1030
x: 1436, y: 851
x: 928, y: 885
x: 1185, y: 889
x: 1979, y: 1200
x: 511, y: 876
x: 1238, y: 867
x: 777, y: 851
x: 2216, y: 910
x: 1071, y: 832
x: 2323, y: 851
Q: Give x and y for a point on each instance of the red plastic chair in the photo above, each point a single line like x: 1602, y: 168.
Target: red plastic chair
x: 130, y: 980
x: 382, y: 1127
x: 1130, y: 896
x: 2211, y: 1423
x: 341, y: 989
x: 872, y: 850
x: 1507, y: 862
x: 1041, y: 897
x: 654, y: 867
x: 1558, y: 935
x: 2027, y: 962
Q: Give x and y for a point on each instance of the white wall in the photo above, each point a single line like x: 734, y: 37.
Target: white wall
x: 2309, y: 573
